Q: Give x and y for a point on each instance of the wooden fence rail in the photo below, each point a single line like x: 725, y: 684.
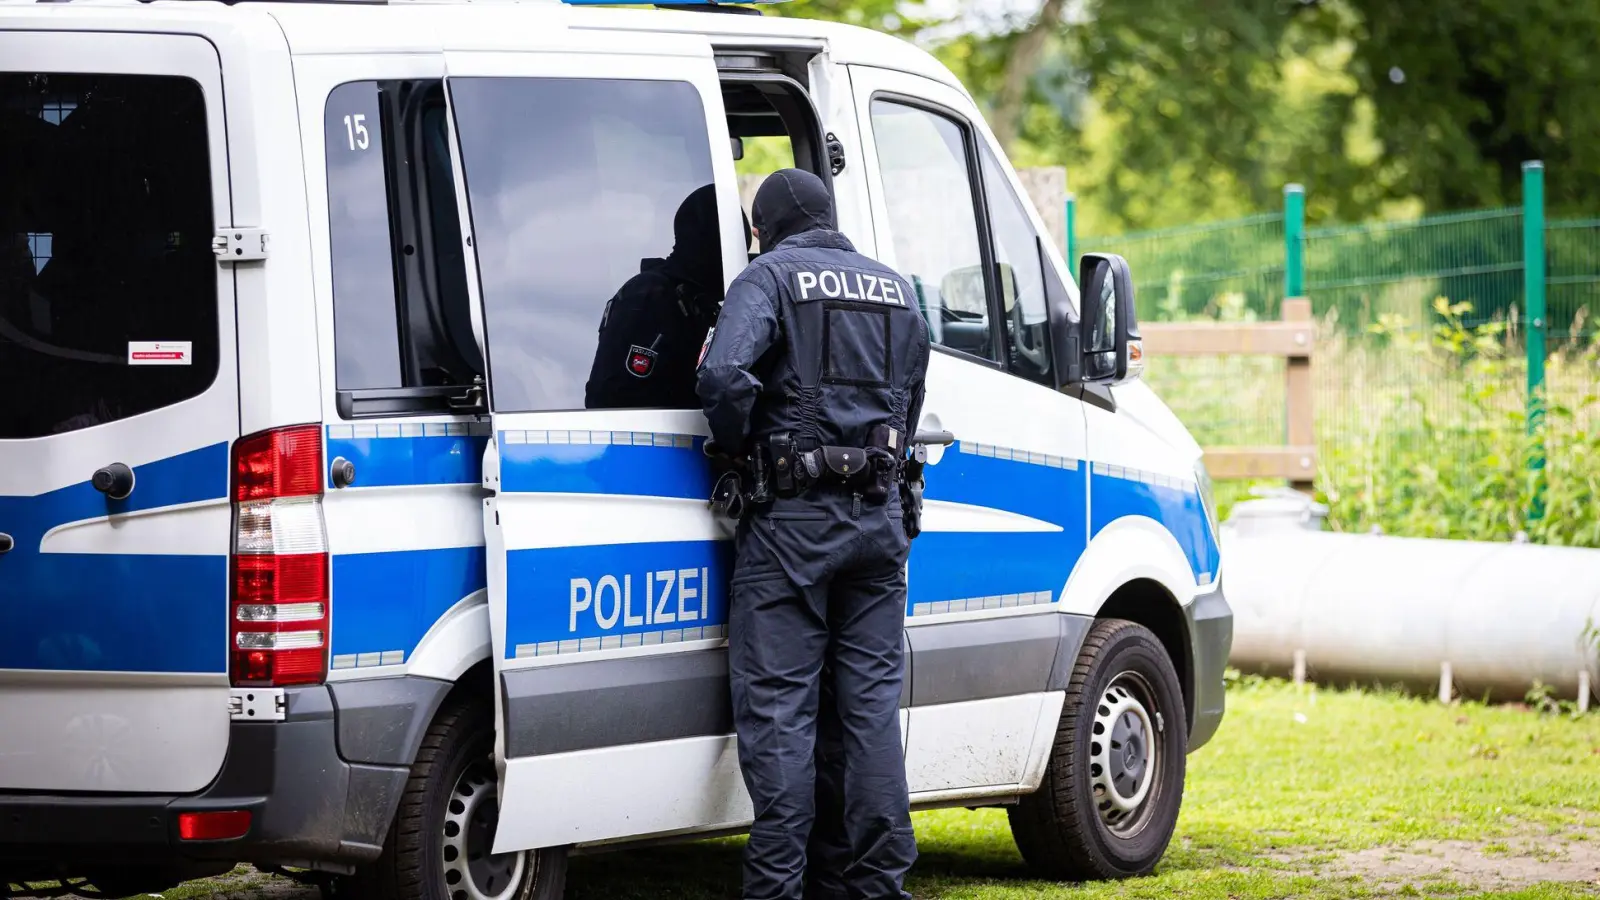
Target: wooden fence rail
x: 1294, y: 340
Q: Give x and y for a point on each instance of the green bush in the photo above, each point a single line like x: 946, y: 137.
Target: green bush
x: 1420, y: 431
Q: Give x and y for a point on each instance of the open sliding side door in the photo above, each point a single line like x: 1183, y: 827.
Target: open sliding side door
x: 608, y: 575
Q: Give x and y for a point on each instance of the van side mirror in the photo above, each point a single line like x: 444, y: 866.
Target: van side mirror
x: 1108, y: 331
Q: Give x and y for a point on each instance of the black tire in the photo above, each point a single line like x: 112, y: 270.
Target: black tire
x: 1063, y: 829
x: 456, y: 760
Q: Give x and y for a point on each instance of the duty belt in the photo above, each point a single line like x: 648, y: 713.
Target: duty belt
x: 776, y: 468
x: 872, y: 470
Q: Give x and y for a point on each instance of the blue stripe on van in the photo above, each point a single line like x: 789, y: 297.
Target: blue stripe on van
x: 948, y: 566
x: 676, y: 468
x: 115, y: 612
x: 1180, y: 511
x: 385, y: 602
x: 399, y: 461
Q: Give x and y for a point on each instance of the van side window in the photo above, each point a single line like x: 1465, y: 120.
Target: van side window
x: 927, y: 188
x: 366, y: 327
x: 402, y: 324
x: 108, y: 286
x: 1021, y: 277
x: 573, y: 185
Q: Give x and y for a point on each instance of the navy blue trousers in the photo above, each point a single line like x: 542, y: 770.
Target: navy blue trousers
x: 816, y: 662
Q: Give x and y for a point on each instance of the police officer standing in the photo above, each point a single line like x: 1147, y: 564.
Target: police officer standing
x: 814, y: 376
x: 654, y: 326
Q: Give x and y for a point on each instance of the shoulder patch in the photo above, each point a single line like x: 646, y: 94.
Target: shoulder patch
x: 705, y: 346
x: 641, y: 361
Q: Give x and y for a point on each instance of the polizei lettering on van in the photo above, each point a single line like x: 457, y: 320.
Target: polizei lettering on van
x: 840, y: 285
x: 670, y: 596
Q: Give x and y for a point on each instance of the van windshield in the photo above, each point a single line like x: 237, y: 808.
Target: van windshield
x: 108, y: 286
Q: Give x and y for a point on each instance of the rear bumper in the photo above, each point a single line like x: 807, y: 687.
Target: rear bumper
x: 307, y: 805
x: 1210, y: 622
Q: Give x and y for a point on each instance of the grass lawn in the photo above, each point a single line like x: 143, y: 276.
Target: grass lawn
x: 1303, y: 793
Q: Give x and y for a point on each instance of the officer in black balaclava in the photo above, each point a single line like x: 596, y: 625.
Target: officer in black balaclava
x: 657, y: 322
x: 814, y: 377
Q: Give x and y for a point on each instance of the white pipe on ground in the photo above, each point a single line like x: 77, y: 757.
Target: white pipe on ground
x: 1369, y: 608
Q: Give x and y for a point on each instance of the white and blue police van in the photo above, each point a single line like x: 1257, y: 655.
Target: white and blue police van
x: 311, y: 556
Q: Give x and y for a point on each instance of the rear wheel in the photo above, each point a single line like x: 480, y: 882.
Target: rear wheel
x: 1114, y: 784
x: 438, y: 847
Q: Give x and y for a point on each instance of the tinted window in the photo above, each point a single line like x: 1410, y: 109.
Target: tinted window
x: 572, y: 183
x: 1016, y: 251
x: 105, y: 249
x: 927, y: 188
x: 400, y: 305
x: 365, y: 323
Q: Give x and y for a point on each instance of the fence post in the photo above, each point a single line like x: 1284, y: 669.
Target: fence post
x: 1297, y: 388
x: 1294, y: 240
x: 1072, y: 235
x: 1533, y: 278
x: 1298, y: 414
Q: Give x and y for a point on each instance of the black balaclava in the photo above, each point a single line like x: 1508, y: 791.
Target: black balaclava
x: 697, y: 244
x: 791, y: 202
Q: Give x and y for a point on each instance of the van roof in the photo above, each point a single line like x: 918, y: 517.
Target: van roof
x: 353, y: 26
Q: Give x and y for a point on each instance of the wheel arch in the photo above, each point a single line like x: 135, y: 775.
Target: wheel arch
x: 1149, y: 603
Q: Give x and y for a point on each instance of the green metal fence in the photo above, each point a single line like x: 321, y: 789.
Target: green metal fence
x: 1398, y: 381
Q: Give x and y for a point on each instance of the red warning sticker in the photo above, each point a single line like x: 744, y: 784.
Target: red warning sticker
x: 160, y: 353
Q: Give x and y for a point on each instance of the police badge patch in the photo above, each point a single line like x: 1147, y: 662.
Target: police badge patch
x: 641, y: 361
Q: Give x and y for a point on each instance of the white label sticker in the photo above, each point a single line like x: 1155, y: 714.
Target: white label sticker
x: 160, y: 353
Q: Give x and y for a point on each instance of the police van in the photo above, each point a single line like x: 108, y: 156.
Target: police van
x: 311, y: 556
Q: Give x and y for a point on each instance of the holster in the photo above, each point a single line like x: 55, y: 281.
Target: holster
x: 727, y: 495
x: 786, y: 477
x: 911, y: 485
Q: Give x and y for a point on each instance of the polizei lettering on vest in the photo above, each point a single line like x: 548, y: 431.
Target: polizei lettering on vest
x: 670, y: 596
x: 839, y: 285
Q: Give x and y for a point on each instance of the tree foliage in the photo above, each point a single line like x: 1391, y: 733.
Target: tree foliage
x: 1171, y: 111
x: 1467, y: 90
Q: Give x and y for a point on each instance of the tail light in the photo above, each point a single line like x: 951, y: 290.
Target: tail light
x: 279, y: 611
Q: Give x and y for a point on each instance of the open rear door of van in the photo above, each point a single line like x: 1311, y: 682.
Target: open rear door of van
x: 120, y: 400
x: 607, y: 573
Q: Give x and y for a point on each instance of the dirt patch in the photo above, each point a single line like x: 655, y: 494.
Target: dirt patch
x: 1470, y: 865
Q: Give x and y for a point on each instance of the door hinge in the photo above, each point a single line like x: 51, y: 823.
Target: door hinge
x: 236, y: 245
x: 257, y: 705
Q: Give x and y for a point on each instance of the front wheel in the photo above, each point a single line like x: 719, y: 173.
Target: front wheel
x: 1114, y: 784
x: 438, y: 846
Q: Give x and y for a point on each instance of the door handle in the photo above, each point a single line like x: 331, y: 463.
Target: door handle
x: 115, y: 481
x: 6, y: 543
